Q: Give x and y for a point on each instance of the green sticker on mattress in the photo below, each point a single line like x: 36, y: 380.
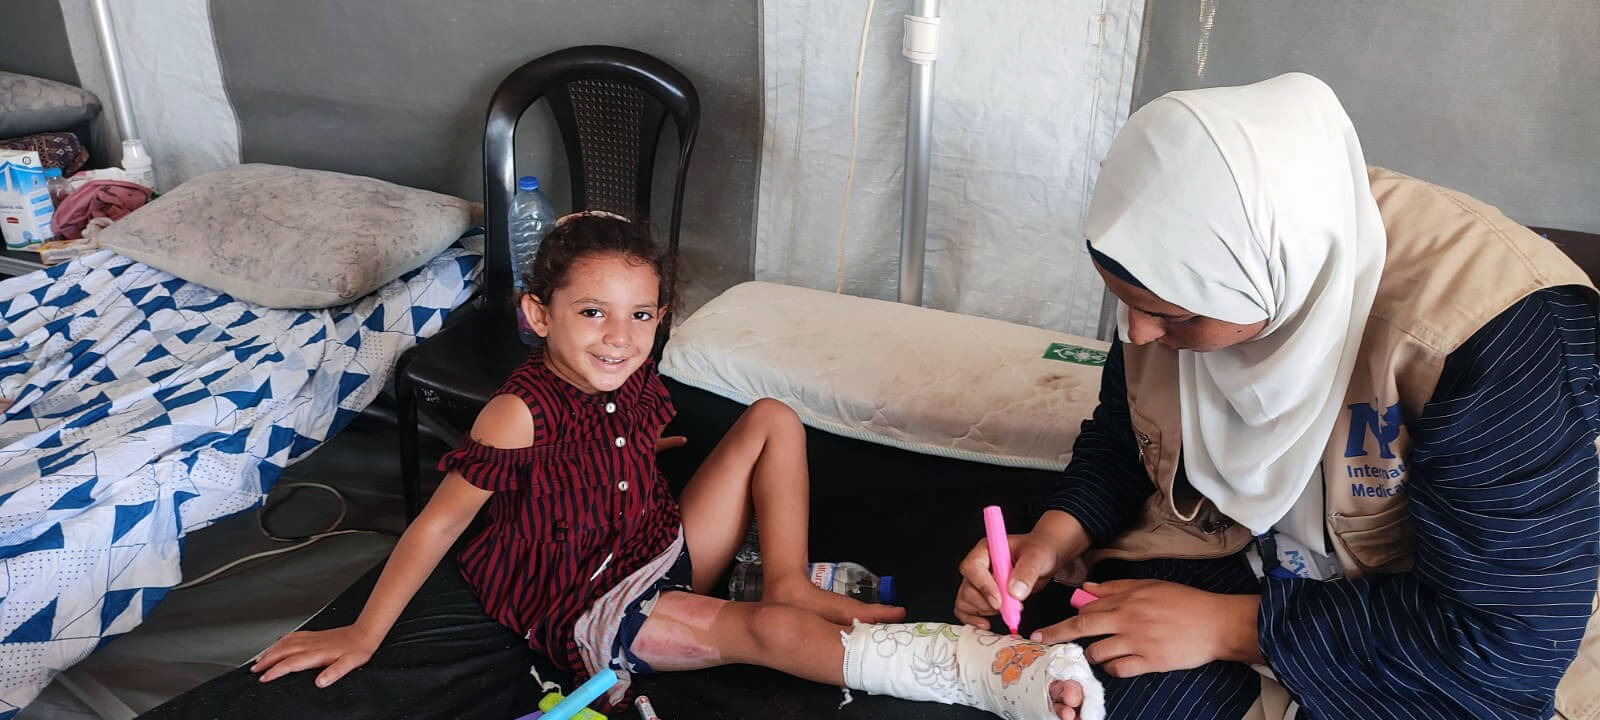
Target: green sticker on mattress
x: 1075, y: 354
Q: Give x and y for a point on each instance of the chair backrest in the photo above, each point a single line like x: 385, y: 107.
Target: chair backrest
x: 1582, y: 247
x: 610, y: 105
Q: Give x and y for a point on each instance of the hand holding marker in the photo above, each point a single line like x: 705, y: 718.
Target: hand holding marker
x: 994, y: 525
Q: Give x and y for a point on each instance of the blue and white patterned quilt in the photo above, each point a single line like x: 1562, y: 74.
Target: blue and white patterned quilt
x: 143, y: 407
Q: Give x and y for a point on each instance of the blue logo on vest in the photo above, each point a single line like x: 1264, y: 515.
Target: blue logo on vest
x: 1364, y: 418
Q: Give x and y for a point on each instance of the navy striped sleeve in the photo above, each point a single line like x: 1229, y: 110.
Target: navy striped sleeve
x: 1504, y: 498
x: 1104, y: 485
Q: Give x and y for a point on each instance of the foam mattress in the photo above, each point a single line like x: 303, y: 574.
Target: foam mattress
x: 910, y: 377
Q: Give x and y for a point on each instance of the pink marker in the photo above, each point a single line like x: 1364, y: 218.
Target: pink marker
x: 994, y: 525
x: 1081, y: 597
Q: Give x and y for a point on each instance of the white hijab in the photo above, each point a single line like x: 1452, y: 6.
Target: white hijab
x: 1246, y: 204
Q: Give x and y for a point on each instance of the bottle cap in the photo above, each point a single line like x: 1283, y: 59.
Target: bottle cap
x: 133, y: 149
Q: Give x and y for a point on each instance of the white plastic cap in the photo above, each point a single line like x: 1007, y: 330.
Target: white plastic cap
x: 133, y: 149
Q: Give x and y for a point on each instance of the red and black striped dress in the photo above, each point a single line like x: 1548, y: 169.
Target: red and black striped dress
x: 586, y: 497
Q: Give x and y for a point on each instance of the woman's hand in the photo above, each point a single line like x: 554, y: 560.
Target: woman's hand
x: 1158, y: 626
x: 1036, y: 556
x: 340, y: 650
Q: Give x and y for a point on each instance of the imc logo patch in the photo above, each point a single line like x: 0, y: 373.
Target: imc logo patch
x: 1384, y: 428
x: 1364, y: 420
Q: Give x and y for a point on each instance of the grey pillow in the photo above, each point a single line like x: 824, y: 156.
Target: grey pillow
x: 31, y: 104
x: 290, y: 238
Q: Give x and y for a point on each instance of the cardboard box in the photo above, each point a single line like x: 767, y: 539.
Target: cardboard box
x: 25, y: 208
x: 59, y: 250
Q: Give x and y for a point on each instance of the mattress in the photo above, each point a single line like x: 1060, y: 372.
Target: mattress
x: 910, y: 377
x: 138, y: 407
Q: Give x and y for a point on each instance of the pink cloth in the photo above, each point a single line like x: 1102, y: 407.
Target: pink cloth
x: 98, y: 198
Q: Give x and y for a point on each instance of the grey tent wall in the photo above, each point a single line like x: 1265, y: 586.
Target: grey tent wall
x: 37, y: 42
x: 43, y: 47
x: 398, y: 90
x: 1496, y: 98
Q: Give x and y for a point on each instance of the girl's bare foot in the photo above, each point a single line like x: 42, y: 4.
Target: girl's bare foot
x: 836, y: 608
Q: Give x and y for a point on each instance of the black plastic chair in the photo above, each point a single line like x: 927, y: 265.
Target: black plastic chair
x: 1582, y: 247
x: 610, y: 105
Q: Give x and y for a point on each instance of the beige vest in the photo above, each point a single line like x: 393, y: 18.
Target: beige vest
x: 1440, y: 242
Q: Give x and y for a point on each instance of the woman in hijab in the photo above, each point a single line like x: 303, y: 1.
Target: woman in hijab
x: 1344, y: 459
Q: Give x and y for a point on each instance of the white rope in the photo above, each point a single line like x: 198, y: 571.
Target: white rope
x: 850, y: 172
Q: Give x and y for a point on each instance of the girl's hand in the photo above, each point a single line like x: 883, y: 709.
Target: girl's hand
x: 668, y: 442
x: 340, y: 650
x: 1157, y: 626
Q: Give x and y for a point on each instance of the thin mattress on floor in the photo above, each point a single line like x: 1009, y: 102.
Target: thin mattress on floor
x: 139, y: 407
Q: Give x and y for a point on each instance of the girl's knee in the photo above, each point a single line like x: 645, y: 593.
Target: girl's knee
x: 773, y: 413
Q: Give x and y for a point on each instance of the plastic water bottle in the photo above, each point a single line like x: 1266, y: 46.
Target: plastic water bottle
x: 137, y: 163
x: 750, y: 551
x: 848, y: 579
x: 532, y: 217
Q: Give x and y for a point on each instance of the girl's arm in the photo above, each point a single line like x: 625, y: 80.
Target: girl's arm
x: 448, y: 513
x: 505, y: 422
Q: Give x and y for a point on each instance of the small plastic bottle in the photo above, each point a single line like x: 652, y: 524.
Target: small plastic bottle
x: 137, y: 163
x: 532, y: 217
x: 59, y: 190
x: 750, y: 551
x: 848, y: 579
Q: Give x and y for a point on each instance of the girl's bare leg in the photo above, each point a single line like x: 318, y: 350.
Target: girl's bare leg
x: 761, y: 464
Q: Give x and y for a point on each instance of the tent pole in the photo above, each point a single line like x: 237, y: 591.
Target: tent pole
x: 920, y: 44
x: 1108, y: 316
x: 119, y: 84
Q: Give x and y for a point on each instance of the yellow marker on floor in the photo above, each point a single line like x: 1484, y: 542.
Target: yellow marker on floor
x: 552, y: 699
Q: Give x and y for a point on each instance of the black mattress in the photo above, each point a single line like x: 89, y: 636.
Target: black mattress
x: 899, y: 513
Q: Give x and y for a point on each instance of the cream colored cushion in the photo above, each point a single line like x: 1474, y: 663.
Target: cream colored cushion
x: 920, y: 379
x: 289, y: 238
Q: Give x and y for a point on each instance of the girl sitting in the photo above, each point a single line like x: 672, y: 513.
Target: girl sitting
x: 587, y: 553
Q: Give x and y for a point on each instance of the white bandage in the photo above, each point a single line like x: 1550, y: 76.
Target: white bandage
x: 954, y: 664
